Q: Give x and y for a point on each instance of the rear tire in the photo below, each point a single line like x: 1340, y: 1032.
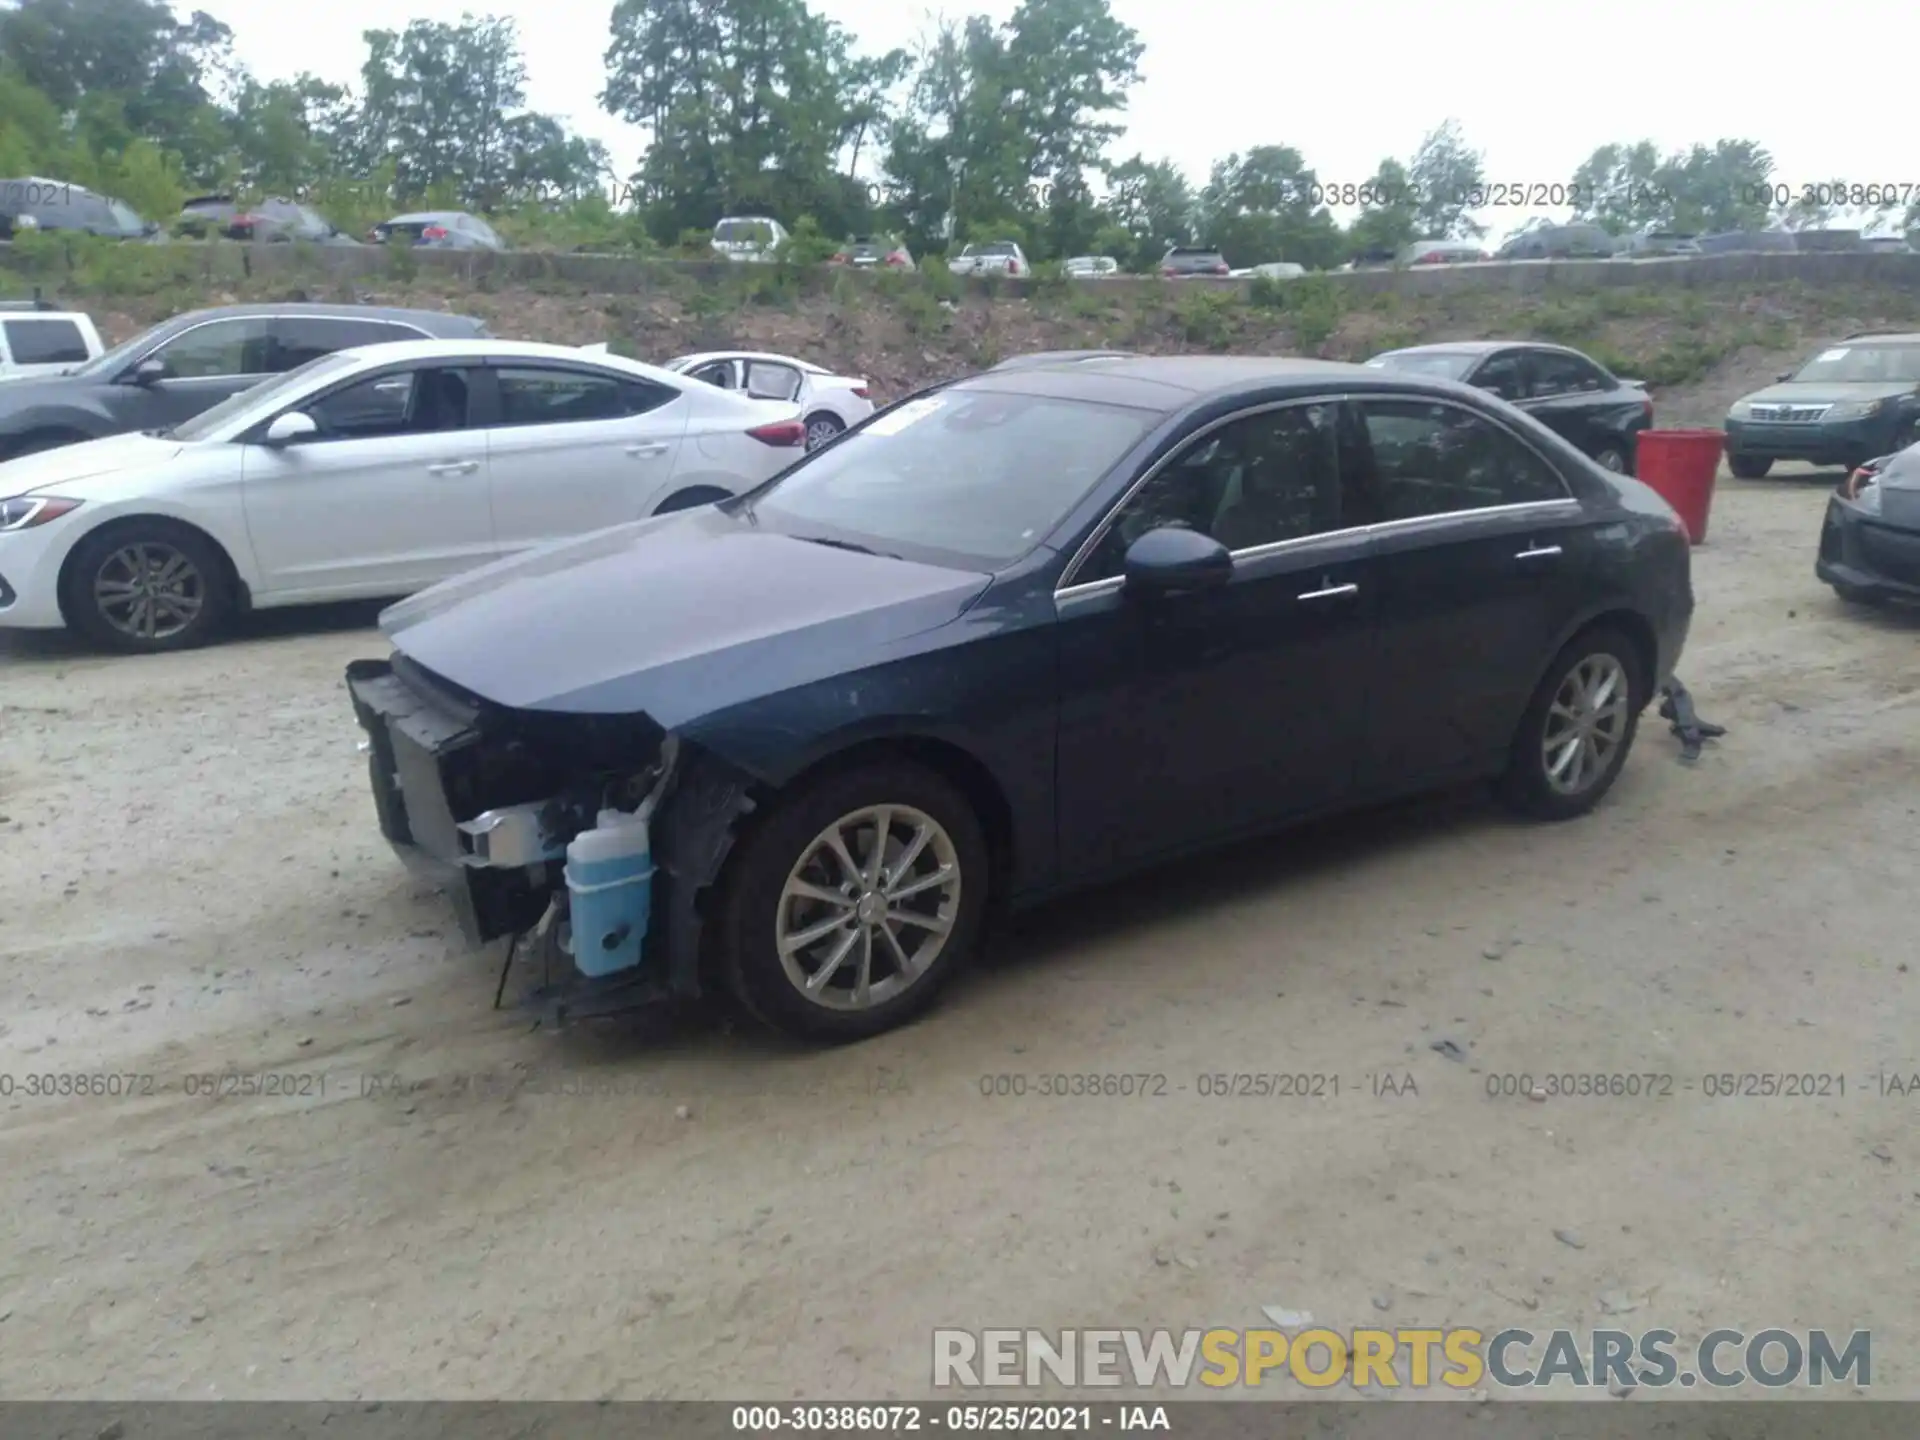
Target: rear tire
x: 822, y: 427
x: 1749, y: 467
x: 1614, y: 458
x: 146, y: 587
x: 790, y: 880
x: 1578, y: 728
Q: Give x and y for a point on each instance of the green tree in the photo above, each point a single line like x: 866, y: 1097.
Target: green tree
x: 1260, y: 207
x: 1444, y: 174
x: 1620, y: 187
x: 1389, y: 218
x: 1153, y: 202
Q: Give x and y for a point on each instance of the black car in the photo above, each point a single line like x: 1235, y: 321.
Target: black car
x: 1030, y: 630
x: 439, y: 230
x: 192, y: 362
x: 1559, y: 242
x: 274, y: 220
x: 1857, y: 398
x: 1566, y: 391
x: 1749, y: 242
x: 1190, y: 262
x: 31, y: 205
x: 1870, y: 541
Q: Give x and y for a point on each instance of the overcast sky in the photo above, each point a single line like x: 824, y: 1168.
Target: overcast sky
x: 1536, y: 87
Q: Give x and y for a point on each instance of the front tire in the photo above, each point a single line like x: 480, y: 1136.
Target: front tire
x: 854, y: 902
x: 147, y: 587
x: 1749, y: 467
x: 1579, y: 726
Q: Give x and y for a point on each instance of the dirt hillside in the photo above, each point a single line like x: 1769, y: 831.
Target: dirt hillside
x: 1698, y: 349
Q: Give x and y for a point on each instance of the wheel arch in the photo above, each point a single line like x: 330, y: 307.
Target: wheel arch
x: 691, y: 497
x: 242, y: 595
x: 946, y: 757
x: 1620, y: 616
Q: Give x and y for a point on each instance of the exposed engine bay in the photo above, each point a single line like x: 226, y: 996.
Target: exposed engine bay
x: 591, y: 835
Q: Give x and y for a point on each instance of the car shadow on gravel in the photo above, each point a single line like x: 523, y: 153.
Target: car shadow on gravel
x: 1060, y: 931
x: 289, y: 623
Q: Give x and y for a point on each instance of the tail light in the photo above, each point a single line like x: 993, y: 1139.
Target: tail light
x: 1851, y: 488
x: 898, y: 257
x: 839, y: 259
x: 374, y: 237
x: 1167, y: 272
x: 861, y: 390
x: 1647, y: 407
x: 1221, y: 270
x: 433, y: 232
x: 1013, y: 267
x: 784, y: 433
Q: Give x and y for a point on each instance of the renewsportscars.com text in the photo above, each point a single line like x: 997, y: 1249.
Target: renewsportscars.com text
x: 1416, y: 1359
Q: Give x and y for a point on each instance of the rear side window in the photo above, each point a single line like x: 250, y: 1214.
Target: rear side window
x: 1555, y: 373
x: 218, y: 348
x: 45, y: 342
x: 1431, y: 459
x: 561, y: 397
x: 300, y: 339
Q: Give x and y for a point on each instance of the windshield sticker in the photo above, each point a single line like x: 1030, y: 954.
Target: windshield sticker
x: 908, y: 414
x: 1826, y: 355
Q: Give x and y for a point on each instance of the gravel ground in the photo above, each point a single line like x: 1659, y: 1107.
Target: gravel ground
x: 195, y: 887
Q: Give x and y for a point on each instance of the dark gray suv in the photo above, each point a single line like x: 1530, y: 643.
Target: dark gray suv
x: 194, y: 361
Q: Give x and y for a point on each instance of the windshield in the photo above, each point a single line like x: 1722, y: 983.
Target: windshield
x: 1445, y: 364
x: 973, y: 473
x: 263, y: 396
x: 1864, y: 364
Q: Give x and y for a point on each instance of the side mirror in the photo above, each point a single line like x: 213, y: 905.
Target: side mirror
x: 149, y: 371
x: 1171, y: 559
x: 1784, y: 375
x: 292, y: 426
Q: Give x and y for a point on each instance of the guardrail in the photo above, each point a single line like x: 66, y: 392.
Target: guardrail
x: 621, y: 274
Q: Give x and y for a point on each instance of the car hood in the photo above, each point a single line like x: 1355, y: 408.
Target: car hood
x: 1813, y: 392
x: 72, y: 465
x: 678, y: 616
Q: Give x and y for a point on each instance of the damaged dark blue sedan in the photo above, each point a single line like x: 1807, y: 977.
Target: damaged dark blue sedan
x: 1035, y: 629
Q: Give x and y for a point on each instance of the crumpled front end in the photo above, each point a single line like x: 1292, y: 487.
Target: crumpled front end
x: 529, y: 821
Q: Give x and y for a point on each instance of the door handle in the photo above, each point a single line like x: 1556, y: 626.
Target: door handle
x: 646, y: 450
x: 454, y: 467
x: 1539, y: 552
x: 1329, y: 592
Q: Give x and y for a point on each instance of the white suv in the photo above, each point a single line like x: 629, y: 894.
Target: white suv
x: 995, y: 257
x: 748, y: 238
x: 34, y: 341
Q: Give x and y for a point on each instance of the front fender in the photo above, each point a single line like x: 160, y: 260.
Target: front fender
x: 81, y: 420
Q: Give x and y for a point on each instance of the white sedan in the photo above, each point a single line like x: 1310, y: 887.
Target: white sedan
x: 831, y: 403
x: 365, y: 474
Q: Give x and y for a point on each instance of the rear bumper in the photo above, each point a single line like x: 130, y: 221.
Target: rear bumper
x: 1860, y: 553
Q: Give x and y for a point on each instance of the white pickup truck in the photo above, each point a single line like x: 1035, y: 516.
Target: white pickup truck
x: 37, y: 341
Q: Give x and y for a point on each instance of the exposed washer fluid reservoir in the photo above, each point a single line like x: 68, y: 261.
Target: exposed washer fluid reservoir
x: 610, y: 891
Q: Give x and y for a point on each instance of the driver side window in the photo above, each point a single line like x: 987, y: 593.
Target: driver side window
x: 1257, y: 481
x: 414, y: 402
x: 719, y: 373
x: 218, y: 348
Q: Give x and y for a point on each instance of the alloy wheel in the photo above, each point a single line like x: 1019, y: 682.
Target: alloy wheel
x: 149, y: 591
x: 1585, y: 724
x: 820, y: 431
x: 1611, y: 459
x: 868, y: 908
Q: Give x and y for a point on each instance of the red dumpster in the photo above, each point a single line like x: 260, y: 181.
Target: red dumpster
x: 1679, y: 466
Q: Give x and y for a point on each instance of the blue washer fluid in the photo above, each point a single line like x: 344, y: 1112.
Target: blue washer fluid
x: 610, y: 893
